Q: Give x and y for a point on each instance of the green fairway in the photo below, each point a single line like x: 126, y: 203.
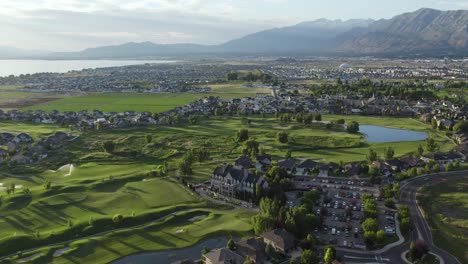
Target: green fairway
x: 37, y: 131
x: 182, y: 230
x: 445, y: 207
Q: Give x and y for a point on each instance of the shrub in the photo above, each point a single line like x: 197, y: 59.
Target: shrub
x: 117, y: 218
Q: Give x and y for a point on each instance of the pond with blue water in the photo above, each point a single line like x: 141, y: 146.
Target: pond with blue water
x: 379, y: 134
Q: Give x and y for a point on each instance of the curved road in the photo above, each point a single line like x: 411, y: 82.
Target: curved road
x: 408, y: 192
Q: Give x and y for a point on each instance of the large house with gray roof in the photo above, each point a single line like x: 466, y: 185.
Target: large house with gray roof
x: 236, y: 181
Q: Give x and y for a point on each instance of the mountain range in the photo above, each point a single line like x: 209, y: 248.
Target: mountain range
x: 423, y: 32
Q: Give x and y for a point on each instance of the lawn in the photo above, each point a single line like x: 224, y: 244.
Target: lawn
x: 178, y: 231
x: 445, y: 206
x: 88, y: 193
x: 37, y: 131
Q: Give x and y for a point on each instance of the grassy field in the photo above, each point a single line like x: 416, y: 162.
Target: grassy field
x: 120, y: 102
x: 445, y: 206
x: 179, y: 231
x: 35, y: 130
x: 88, y: 183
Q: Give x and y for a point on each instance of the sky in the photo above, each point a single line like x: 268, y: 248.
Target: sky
x: 71, y: 25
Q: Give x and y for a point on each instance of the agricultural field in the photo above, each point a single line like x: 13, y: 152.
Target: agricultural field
x: 12, y: 99
x: 445, y: 206
x: 120, y: 102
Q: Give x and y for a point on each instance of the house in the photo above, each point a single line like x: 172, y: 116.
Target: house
x: 280, y: 239
x: 252, y: 248
x: 442, y: 157
x: 263, y: 163
x: 410, y: 161
x: 236, y: 181
x: 55, y: 141
x: 395, y: 164
x: 23, y: 138
x: 6, y: 137
x: 222, y: 256
x: 353, y: 168
x: 382, y: 167
x: 462, y: 149
x: 329, y: 168
x: 306, y: 167
x: 244, y: 161
x: 21, y: 159
x: 3, y: 155
x: 289, y: 165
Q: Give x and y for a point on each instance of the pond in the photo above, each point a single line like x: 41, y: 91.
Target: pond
x: 379, y: 134
x: 169, y: 256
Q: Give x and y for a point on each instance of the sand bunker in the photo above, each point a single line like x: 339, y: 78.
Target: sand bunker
x: 195, y: 218
x: 69, y: 168
x: 60, y: 252
x: 27, y: 259
x: 179, y: 231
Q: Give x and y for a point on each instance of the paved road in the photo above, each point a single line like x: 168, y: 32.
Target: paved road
x: 422, y: 231
x: 408, y: 191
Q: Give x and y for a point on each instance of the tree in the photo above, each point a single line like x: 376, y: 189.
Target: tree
x: 149, y: 138
x: 372, y: 156
x: 389, y: 153
x: 288, y: 154
x: 353, y: 127
x: 434, y: 124
x: 117, y: 218
x: 251, y: 148
x: 318, y: 117
x: 389, y: 203
x: 26, y: 191
x: 262, y: 223
x: 420, y: 150
x: 109, y: 146
x: 309, y: 257
x: 231, y: 245
x: 242, y: 135
x: 436, y: 168
x: 192, y: 119
x: 247, y: 261
x: 370, y: 224
x: 330, y: 253
x: 185, y: 166
x: 47, y: 185
x: 380, y: 236
x: 431, y: 145
x: 370, y: 238
x: 461, y: 127
x: 282, y: 137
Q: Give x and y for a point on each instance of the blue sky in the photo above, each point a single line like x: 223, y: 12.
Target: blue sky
x: 65, y: 25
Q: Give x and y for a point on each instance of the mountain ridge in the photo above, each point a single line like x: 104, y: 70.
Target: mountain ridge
x: 424, y: 31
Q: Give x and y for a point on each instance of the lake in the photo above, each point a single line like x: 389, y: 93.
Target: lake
x: 379, y: 134
x: 17, y: 67
x: 169, y: 256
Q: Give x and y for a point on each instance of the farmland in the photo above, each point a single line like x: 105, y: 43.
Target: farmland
x: 120, y: 102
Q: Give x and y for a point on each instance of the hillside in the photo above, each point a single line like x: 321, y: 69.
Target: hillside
x: 423, y: 30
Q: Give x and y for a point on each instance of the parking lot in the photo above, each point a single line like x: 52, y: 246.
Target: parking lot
x: 342, y: 211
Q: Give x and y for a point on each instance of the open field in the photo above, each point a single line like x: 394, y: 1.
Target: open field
x: 445, y: 206
x: 10, y: 98
x: 120, y: 102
